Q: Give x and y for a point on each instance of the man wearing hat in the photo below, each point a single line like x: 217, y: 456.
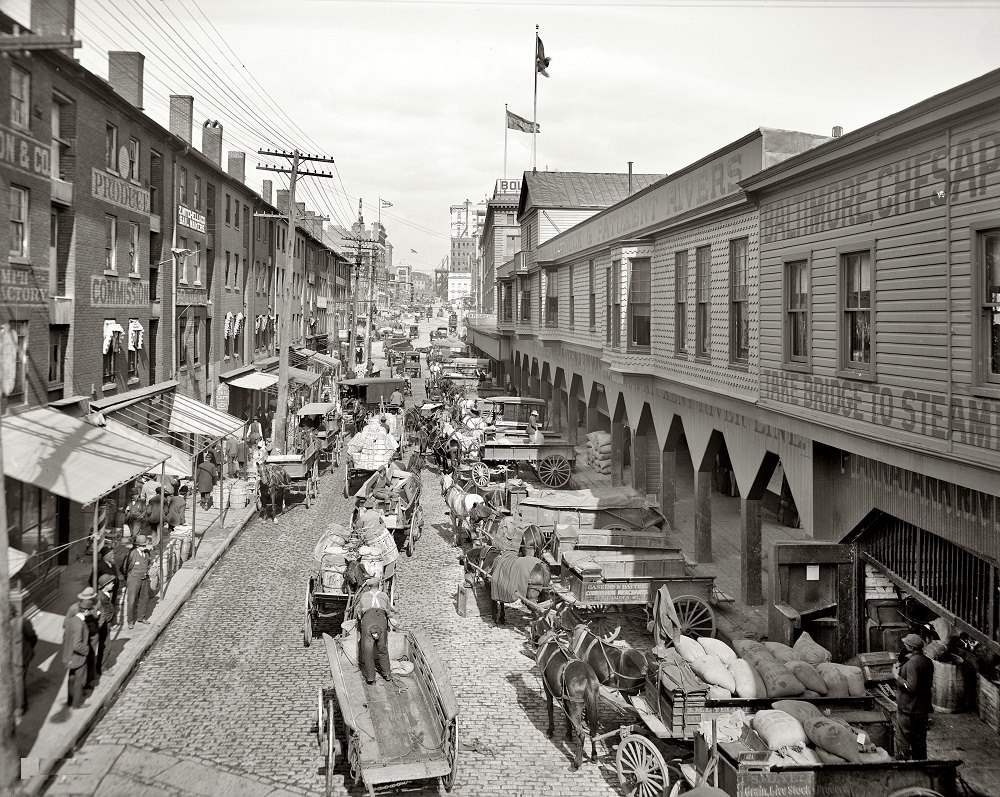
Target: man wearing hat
x: 105, y: 616
x: 136, y: 572
x: 370, y: 520
x: 534, y: 429
x: 373, y: 611
x: 914, y: 682
x: 76, y: 652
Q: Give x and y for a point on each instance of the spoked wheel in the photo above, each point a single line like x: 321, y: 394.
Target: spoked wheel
x: 451, y: 753
x: 695, y: 615
x: 554, y: 471
x: 331, y: 745
x: 642, y: 772
x: 481, y: 474
x: 411, y: 538
x: 308, y: 491
x: 307, y: 628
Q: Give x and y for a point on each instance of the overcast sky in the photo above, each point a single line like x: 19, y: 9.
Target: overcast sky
x: 408, y: 96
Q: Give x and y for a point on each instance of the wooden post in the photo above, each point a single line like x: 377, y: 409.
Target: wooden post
x: 617, y: 454
x: 639, y: 476
x: 668, y: 487
x: 750, y: 586
x: 703, y: 515
x: 572, y: 419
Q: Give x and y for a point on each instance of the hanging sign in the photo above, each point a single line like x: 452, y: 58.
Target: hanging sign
x: 222, y: 397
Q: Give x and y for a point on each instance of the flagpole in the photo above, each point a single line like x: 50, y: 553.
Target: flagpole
x: 505, y: 141
x: 534, y: 115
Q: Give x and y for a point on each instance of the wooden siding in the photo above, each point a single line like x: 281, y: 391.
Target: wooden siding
x: 916, y: 206
x: 551, y: 222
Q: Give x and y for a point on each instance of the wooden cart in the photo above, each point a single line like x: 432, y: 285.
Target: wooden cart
x: 399, y: 736
x: 552, y: 460
x: 401, y: 508
x: 324, y: 419
x: 302, y: 470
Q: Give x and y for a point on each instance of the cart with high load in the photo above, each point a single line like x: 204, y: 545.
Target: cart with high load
x: 399, y: 735
x: 359, y: 398
x: 397, y: 496
x: 302, y: 469
x: 411, y: 364
x: 323, y: 419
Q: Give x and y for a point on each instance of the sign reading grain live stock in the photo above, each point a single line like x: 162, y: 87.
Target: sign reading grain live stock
x: 763, y: 783
x: 973, y: 422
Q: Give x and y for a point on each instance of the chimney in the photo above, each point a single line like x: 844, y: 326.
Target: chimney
x: 838, y: 131
x: 181, y: 116
x: 282, y: 200
x: 300, y: 209
x: 238, y: 165
x: 630, y: 178
x: 211, y: 141
x: 125, y: 75
x: 54, y: 18
x: 265, y: 191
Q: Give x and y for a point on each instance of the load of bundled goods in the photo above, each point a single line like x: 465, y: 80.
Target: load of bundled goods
x: 599, y: 451
x: 373, y: 446
x: 346, y: 556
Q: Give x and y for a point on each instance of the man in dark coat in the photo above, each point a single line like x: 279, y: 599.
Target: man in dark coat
x: 206, y: 475
x: 136, y: 572
x: 76, y: 652
x: 914, y: 683
x: 374, y: 610
x: 105, y: 616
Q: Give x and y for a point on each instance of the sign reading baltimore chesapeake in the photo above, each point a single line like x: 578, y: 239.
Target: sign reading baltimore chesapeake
x: 106, y: 186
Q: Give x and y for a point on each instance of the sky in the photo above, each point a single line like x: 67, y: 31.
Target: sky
x: 408, y: 96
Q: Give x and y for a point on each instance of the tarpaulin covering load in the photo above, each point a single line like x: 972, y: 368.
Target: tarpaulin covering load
x: 507, y: 536
x: 511, y: 576
x: 372, y: 447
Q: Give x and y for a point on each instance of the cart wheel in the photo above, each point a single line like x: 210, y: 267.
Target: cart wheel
x: 554, y: 471
x: 320, y: 720
x: 481, y: 474
x: 411, y: 538
x: 307, y: 629
x: 392, y: 590
x: 308, y: 493
x: 696, y: 617
x: 641, y: 769
x: 451, y: 754
x: 331, y: 746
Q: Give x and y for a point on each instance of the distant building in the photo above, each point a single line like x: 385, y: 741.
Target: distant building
x: 459, y: 285
x: 500, y: 239
x: 423, y: 285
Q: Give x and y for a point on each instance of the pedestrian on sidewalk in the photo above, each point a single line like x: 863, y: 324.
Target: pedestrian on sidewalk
x: 914, y: 683
x: 206, y: 476
x: 105, y: 613
x: 154, y: 516
x: 76, y: 652
x: 106, y: 566
x: 29, y: 640
x: 177, y: 509
x: 136, y: 572
x: 255, y: 430
x: 242, y: 456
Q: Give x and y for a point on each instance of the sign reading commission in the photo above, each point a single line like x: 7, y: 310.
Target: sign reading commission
x: 115, y: 190
x: 190, y: 219
x: 118, y: 292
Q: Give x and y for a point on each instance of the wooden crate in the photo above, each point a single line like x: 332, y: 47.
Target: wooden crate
x: 679, y: 710
x: 988, y: 702
x: 877, y: 667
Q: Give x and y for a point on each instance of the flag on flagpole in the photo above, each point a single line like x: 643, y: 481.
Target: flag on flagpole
x: 541, y: 61
x: 413, y: 251
x: 515, y: 122
x: 386, y: 203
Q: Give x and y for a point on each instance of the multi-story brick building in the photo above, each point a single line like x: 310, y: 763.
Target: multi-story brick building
x: 500, y: 239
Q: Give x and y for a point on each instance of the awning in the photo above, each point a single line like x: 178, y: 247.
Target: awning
x: 326, y: 360
x: 193, y: 417
x: 254, y: 381
x: 69, y: 457
x: 304, y: 378
x: 178, y: 463
x: 227, y: 376
x: 317, y: 408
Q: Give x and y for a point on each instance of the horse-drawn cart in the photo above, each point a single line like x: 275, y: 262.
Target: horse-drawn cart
x: 324, y: 421
x: 552, y: 460
x: 403, y: 734
x: 302, y: 470
x: 396, y: 493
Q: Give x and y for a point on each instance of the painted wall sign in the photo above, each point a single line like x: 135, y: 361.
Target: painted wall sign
x: 762, y: 783
x: 191, y: 297
x: 119, y: 192
x: 192, y: 219
x: 507, y: 186
x: 118, y: 291
x: 23, y: 153
x: 18, y: 287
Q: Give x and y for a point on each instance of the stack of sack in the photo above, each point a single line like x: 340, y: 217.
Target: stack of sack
x: 333, y: 562
x: 377, y: 545
x: 756, y: 670
x: 599, y: 451
x: 797, y: 732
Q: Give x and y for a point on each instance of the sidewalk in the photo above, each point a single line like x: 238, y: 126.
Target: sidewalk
x: 49, y: 731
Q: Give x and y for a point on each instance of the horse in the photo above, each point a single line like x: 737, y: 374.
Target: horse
x: 519, y: 577
x: 272, y: 482
x: 462, y: 506
x: 554, y: 614
x: 620, y: 668
x: 533, y: 541
x: 574, y: 683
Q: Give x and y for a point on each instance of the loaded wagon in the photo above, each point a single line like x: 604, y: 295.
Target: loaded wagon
x: 397, y: 496
x: 511, y: 413
x: 552, y: 460
x: 323, y: 419
x: 403, y: 734
x: 302, y: 469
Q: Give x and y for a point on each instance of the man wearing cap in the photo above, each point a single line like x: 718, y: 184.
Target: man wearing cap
x: 370, y: 521
x: 534, y: 429
x: 914, y: 682
x: 373, y: 611
x: 76, y: 652
x: 105, y: 615
x: 136, y: 572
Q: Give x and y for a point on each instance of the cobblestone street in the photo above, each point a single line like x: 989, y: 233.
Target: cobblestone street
x: 224, y: 702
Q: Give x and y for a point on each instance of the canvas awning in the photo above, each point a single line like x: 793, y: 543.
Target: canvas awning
x: 304, y: 378
x: 255, y: 381
x: 326, y: 360
x: 193, y: 417
x: 317, y: 408
x: 69, y: 457
x: 178, y: 463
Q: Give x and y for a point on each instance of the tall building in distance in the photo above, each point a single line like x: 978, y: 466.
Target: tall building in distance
x: 499, y: 242
x: 466, y: 223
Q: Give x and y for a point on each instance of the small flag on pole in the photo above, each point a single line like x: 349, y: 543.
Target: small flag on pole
x: 515, y: 122
x: 386, y: 203
x: 541, y: 61
x: 413, y: 251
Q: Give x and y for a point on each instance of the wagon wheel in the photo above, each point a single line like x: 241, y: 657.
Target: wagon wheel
x: 307, y: 628
x: 451, y: 753
x: 642, y: 772
x: 331, y: 746
x: 308, y: 491
x: 695, y: 616
x: 481, y: 474
x: 411, y: 538
x: 392, y: 590
x: 554, y: 471
x: 320, y: 720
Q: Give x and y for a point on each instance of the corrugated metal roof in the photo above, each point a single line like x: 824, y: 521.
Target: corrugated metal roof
x: 579, y: 189
x: 188, y: 415
x: 69, y: 457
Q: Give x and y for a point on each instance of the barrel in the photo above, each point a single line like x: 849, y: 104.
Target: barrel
x: 948, y: 694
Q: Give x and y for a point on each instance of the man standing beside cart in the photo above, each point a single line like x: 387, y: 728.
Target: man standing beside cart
x: 374, y: 611
x: 914, y: 684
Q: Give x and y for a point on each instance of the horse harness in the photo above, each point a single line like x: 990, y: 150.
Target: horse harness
x: 564, y: 697
x: 579, y: 647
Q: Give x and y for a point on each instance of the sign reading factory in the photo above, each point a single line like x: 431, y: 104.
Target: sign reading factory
x: 192, y: 219
x: 115, y: 292
x: 116, y: 191
x: 20, y: 152
x: 17, y: 287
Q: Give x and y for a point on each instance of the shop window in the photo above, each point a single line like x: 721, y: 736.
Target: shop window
x: 134, y: 344
x: 195, y: 336
x: 703, y: 296
x: 228, y: 265
x: 112, y: 347
x: 797, y: 311
x: 58, y: 344
x: 111, y: 147
x: 133, y: 248
x: 182, y: 342
x: 133, y: 159
x: 19, y: 204
x: 20, y: 97
x: 552, y: 298
x: 60, y: 122
x: 20, y: 332
x: 229, y: 209
x: 680, y: 301
x: 236, y: 271
x: 988, y: 279
x: 182, y: 185
x: 195, y: 258
x: 572, y: 296
x: 31, y: 528
x: 110, y: 243
x: 638, y: 303
x: 739, y: 315
x: 197, y: 192
x: 856, y: 312
x: 236, y: 215
x: 525, y: 303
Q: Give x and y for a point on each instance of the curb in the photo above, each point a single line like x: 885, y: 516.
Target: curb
x: 37, y: 783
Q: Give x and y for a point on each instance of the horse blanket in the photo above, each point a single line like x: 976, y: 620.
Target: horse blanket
x: 511, y: 576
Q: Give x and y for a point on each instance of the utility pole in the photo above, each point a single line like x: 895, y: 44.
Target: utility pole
x: 362, y: 245
x: 284, y: 335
